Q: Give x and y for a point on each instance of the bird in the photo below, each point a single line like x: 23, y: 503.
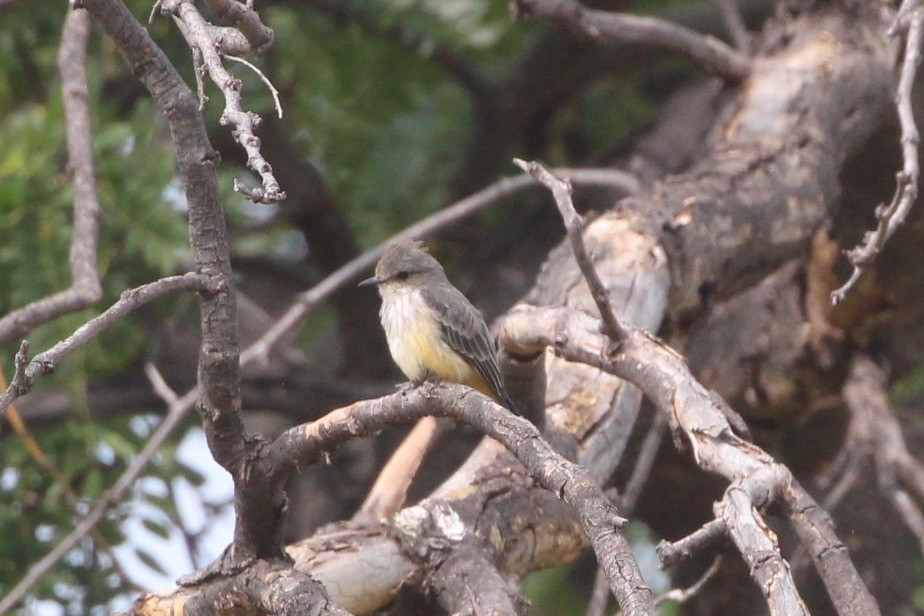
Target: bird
x: 432, y: 330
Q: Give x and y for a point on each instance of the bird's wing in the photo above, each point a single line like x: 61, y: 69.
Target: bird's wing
x: 466, y: 333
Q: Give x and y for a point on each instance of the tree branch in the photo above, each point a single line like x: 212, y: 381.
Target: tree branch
x: 28, y: 372
x: 219, y: 372
x: 243, y: 18
x: 756, y: 479
x: 875, y: 434
x: 307, y: 300
x: 85, y: 289
x: 305, y: 444
x: 710, y: 53
x: 890, y: 217
x: 199, y: 35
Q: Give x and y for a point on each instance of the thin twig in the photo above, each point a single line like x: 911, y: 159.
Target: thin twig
x: 890, y: 217
x: 710, y: 53
x: 643, y: 464
x: 45, y: 463
x: 263, y: 78
x: 85, y: 289
x: 199, y: 34
x: 670, y: 553
x: 561, y: 190
x: 682, y: 595
x: 27, y: 372
x: 346, y: 273
x: 109, y: 500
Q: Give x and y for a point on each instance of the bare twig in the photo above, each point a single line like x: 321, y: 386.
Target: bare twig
x: 85, y: 289
x: 671, y: 553
x: 572, y: 482
x: 682, y: 595
x: 644, y: 462
x: 109, y: 500
x: 42, y: 460
x: 712, y: 54
x: 561, y: 190
x: 734, y: 23
x: 243, y: 18
x: 264, y: 79
x: 27, y: 372
x: 307, y: 300
x: 200, y: 35
x: 890, y: 217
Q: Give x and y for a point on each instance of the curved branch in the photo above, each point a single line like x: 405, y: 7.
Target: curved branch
x: 571, y: 482
x: 85, y: 289
x: 756, y: 479
x: 712, y: 54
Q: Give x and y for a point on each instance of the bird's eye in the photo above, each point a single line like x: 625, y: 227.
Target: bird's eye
x: 402, y: 275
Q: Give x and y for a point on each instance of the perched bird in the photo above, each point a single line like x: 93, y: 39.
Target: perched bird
x: 432, y: 329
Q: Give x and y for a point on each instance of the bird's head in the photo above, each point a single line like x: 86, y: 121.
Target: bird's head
x: 405, y: 264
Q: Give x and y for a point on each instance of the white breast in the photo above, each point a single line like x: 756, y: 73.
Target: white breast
x: 405, y: 317
x: 414, y: 338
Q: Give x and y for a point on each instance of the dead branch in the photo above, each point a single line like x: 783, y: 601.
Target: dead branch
x: 710, y: 53
x: 672, y: 552
x: 200, y: 35
x: 599, y: 518
x: 27, y: 372
x: 306, y: 301
x: 876, y: 436
x: 682, y: 595
x: 266, y: 587
x: 890, y: 217
x: 219, y: 400
x: 244, y: 19
x: 85, y: 288
x: 756, y: 479
x: 574, y: 225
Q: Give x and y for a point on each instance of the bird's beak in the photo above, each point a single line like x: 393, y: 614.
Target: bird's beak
x: 370, y: 281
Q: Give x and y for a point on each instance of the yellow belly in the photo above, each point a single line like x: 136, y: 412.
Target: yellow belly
x: 416, y: 345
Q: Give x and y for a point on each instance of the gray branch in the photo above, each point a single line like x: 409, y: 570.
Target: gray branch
x: 85, y: 288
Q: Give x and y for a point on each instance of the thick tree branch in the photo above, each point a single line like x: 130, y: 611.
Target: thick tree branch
x: 713, y: 55
x: 266, y: 587
x: 85, y: 289
x: 219, y: 373
x: 599, y: 518
x: 756, y: 479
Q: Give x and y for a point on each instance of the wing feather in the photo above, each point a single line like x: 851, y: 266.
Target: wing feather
x: 466, y: 333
